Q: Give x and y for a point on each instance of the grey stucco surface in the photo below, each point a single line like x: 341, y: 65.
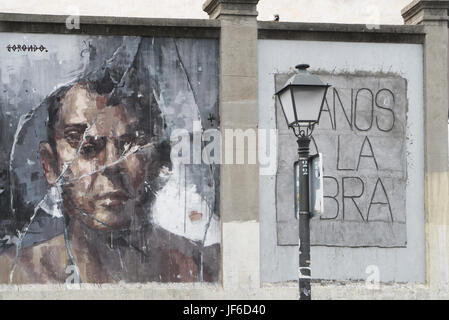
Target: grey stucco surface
x: 406, y: 264
x: 361, y: 136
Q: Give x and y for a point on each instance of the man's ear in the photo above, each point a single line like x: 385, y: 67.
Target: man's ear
x: 49, y: 163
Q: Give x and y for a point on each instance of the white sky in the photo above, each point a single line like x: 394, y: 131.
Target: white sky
x: 333, y: 11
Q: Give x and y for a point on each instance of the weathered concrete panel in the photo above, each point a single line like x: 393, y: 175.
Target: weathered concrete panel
x: 238, y: 105
x: 397, y: 264
x: 362, y: 138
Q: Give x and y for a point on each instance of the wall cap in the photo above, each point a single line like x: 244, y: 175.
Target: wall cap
x: 341, y: 32
x: 217, y: 8
x: 421, y: 11
x: 109, y: 20
x: 110, y: 25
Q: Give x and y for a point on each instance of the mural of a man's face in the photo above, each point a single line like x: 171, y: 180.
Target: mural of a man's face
x: 99, y: 144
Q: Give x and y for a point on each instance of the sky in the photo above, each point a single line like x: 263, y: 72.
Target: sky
x: 332, y: 11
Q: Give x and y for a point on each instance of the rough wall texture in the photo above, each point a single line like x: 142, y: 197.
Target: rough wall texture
x: 345, y: 263
x: 244, y: 271
x: 362, y: 138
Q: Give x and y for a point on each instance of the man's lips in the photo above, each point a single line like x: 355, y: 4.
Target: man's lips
x: 113, y: 198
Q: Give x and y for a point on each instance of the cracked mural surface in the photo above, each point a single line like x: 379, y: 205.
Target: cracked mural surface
x: 88, y: 189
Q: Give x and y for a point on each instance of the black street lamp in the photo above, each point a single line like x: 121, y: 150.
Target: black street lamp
x: 302, y: 99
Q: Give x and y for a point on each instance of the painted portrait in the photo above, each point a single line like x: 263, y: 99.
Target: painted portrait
x: 90, y: 191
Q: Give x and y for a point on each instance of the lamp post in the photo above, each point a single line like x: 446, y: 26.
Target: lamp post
x: 302, y: 99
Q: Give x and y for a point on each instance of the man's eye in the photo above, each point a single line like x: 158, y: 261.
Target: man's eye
x: 73, y: 136
x: 133, y: 140
x: 142, y: 140
x: 88, y: 149
x: 126, y: 145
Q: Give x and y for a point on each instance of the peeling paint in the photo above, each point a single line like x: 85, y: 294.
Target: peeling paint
x: 152, y: 240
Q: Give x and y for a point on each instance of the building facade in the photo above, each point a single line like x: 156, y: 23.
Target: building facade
x: 201, y: 205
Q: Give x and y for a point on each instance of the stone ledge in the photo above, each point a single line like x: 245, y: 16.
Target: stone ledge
x: 103, y: 25
x: 340, y: 32
x: 425, y: 10
x: 110, y: 20
x: 350, y: 290
x: 217, y: 8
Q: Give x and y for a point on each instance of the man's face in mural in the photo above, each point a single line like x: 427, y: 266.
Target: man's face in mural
x: 100, y: 145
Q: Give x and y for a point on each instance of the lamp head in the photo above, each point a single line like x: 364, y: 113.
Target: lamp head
x: 302, y: 99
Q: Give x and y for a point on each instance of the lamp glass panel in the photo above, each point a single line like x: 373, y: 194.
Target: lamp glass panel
x: 308, y: 102
x: 287, y: 105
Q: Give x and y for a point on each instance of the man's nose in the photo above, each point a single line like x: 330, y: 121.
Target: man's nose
x: 112, y: 156
x: 114, y: 168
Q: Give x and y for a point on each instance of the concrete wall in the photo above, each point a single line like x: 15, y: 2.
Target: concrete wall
x: 252, y: 266
x: 343, y: 263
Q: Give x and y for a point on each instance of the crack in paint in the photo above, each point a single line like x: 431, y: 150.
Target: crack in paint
x: 22, y: 234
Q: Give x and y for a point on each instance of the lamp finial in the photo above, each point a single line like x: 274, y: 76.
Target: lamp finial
x: 303, y: 66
